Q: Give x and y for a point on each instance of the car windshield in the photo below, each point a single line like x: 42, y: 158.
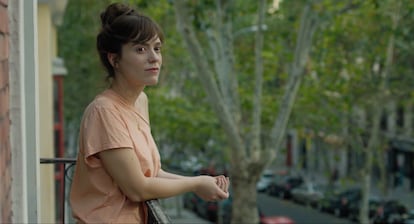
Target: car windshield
x: 268, y: 175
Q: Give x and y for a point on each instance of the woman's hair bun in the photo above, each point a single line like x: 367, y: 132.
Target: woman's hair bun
x: 113, y: 11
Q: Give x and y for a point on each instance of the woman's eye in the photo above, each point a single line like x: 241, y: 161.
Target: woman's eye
x: 157, y: 49
x: 140, y: 49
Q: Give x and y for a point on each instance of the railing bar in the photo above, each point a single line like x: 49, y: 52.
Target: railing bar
x: 62, y: 162
x: 64, y: 193
x: 57, y: 160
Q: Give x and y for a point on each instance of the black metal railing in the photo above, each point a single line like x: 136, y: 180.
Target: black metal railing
x: 62, y: 165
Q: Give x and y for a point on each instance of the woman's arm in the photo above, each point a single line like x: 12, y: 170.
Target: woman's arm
x: 164, y: 174
x: 222, y: 181
x: 122, y: 165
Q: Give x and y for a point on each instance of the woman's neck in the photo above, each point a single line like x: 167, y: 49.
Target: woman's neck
x: 129, y: 94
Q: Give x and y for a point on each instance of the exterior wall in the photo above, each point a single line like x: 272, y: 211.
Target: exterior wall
x: 16, y: 114
x: 24, y: 111
x: 46, y: 44
x: 5, y: 149
x: 20, y: 101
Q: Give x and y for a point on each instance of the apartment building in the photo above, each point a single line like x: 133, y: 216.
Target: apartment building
x: 28, y: 50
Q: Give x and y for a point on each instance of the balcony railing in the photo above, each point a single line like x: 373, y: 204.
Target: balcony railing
x: 63, y: 165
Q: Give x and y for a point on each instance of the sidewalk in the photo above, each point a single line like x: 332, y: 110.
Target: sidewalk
x: 174, y: 209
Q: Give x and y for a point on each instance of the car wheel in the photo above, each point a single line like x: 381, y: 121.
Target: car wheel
x: 282, y: 194
x: 337, y: 212
x: 371, y: 220
x: 393, y: 218
x: 319, y: 207
x: 268, y: 191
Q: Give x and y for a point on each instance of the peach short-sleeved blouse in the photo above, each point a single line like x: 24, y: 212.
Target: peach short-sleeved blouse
x: 109, y: 123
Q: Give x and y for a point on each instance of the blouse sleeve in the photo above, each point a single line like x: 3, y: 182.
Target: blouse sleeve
x: 104, y: 129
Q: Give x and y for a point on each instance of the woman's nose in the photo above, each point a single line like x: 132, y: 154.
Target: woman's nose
x: 154, y: 56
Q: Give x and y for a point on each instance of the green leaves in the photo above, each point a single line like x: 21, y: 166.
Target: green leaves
x: 77, y: 46
x: 339, y: 75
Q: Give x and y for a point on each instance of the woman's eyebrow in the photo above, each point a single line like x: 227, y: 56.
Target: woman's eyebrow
x: 158, y: 43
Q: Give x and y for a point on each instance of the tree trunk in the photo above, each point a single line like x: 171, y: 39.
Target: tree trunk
x: 366, y: 185
x: 244, y: 199
x: 383, y: 171
x: 383, y: 93
x: 372, y: 146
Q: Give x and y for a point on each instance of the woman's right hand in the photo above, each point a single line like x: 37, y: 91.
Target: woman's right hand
x: 208, y: 190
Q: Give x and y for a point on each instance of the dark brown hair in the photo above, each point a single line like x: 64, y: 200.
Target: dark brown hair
x: 122, y: 24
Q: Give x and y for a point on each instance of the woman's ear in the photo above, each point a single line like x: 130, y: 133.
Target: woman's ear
x: 113, y: 59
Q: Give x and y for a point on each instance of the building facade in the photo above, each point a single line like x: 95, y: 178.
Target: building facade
x: 28, y: 47
x: 5, y: 149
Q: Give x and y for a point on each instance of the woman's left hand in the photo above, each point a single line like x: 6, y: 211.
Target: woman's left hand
x: 223, y: 182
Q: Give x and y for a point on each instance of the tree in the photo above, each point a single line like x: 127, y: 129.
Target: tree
x: 249, y: 153
x: 368, y: 80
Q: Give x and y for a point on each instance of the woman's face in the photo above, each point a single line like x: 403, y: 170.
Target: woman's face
x: 140, y: 64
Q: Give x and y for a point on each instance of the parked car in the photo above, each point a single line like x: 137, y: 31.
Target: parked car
x: 265, y: 180
x: 225, y: 211
x: 204, y: 209
x: 283, y: 186
x: 275, y: 219
x: 309, y: 193
x: 390, y: 211
x: 190, y: 201
x: 338, y: 202
x: 355, y: 206
x: 410, y: 217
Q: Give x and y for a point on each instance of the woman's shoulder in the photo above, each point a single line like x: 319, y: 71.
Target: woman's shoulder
x: 101, y: 102
x: 142, y: 98
x: 141, y: 105
x: 104, y: 101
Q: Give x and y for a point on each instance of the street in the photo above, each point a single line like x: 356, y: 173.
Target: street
x: 273, y: 206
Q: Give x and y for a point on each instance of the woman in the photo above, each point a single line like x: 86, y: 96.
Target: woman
x: 118, y: 165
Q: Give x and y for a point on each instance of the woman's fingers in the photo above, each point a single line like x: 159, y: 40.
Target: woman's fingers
x: 223, y: 183
x: 216, y: 192
x: 210, y: 189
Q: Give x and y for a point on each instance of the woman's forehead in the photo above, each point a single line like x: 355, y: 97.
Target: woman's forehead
x: 154, y: 40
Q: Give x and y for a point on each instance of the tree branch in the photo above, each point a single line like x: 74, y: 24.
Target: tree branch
x: 257, y: 99
x: 309, y: 24
x: 207, y: 79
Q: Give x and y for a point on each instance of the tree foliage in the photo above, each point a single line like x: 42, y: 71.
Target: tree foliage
x: 180, y: 122
x: 347, y: 61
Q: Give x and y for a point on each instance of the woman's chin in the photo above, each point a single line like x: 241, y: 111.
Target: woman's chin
x: 153, y: 82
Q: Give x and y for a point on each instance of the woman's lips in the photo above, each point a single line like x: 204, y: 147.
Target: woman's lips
x: 153, y: 70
